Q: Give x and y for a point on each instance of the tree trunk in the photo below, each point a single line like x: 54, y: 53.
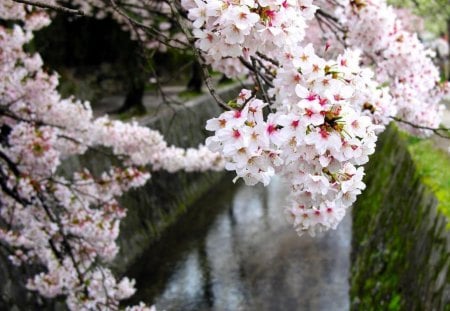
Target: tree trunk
x: 133, y: 99
x: 196, y: 81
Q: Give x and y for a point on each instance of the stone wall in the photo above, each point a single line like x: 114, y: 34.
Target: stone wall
x: 401, y: 249
x: 166, y: 196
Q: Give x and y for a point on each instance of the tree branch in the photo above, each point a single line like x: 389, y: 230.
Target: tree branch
x: 205, y: 70
x: 156, y: 34
x: 439, y: 131
x: 46, y: 5
x: 258, y: 81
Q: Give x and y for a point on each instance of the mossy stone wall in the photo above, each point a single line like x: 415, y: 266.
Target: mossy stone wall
x: 401, y: 249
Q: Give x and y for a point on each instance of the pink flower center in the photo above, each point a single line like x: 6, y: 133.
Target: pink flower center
x: 311, y: 97
x: 271, y: 128
x: 324, y: 133
x: 270, y: 14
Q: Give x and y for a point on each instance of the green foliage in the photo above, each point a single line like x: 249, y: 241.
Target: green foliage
x: 435, y: 12
x: 433, y: 165
x: 395, y: 302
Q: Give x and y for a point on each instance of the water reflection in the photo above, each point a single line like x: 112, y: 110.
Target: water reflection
x: 235, y: 251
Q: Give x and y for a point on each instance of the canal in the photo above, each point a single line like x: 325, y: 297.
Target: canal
x: 234, y: 250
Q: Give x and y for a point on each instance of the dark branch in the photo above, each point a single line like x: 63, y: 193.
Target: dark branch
x: 327, y: 15
x: 45, y: 5
x: 205, y: 71
x: 439, y: 131
x: 266, y: 58
x: 258, y: 81
x: 156, y: 34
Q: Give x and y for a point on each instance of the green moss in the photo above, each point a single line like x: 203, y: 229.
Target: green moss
x: 399, y: 253
x: 187, y: 95
x: 433, y: 165
x: 136, y: 111
x: 394, y: 304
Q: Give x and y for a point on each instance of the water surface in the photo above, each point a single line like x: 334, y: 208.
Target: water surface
x: 235, y: 251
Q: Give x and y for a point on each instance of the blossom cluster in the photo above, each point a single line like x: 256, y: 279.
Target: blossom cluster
x: 68, y: 223
x: 328, y: 112
x: 233, y: 29
x: 401, y: 61
x: 317, y: 139
x: 11, y: 11
x: 316, y: 127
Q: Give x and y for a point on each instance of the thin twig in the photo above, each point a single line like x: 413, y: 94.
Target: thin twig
x: 46, y: 5
x: 157, y: 35
x: 327, y: 15
x: 332, y: 27
x: 205, y: 70
x: 265, y: 57
x: 438, y: 130
x: 267, y: 80
x: 258, y: 81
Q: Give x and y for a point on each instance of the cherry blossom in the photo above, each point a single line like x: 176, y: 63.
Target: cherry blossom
x: 313, y: 141
x: 326, y: 91
x: 68, y: 224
